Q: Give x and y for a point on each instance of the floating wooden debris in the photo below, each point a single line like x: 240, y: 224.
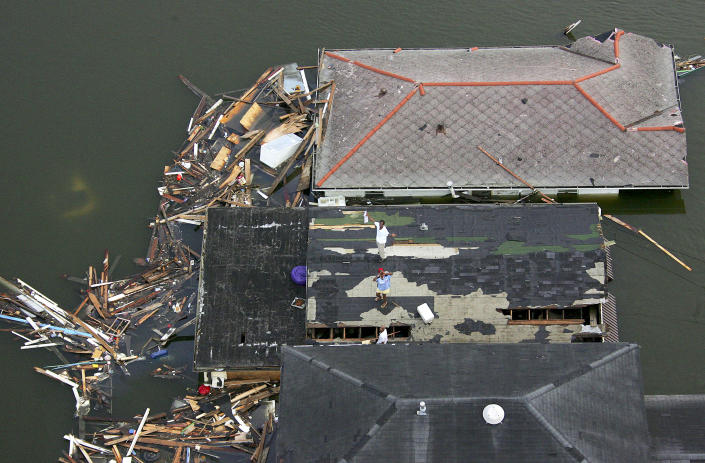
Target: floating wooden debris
x: 213, y: 425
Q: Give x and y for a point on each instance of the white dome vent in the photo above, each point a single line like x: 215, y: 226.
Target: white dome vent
x: 493, y: 414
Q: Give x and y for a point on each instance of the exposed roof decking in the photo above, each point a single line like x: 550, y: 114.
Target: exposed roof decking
x: 244, y: 312
x: 470, y: 262
x: 360, y: 402
x: 551, y: 135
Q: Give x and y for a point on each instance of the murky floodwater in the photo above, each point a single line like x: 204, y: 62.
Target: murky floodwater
x: 91, y: 107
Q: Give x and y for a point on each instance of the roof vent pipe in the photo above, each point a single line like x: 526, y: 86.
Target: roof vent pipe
x: 493, y: 414
x: 452, y: 190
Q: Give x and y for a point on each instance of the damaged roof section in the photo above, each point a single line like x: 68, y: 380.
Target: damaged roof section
x: 468, y: 263
x: 246, y: 291
x: 359, y: 403
x: 601, y: 113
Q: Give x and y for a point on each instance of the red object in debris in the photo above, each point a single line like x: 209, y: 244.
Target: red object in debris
x: 179, y: 177
x: 203, y: 389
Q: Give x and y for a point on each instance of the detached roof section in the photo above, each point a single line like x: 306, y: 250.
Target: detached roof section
x: 245, y: 294
x: 562, y: 403
x: 601, y: 113
x: 466, y: 262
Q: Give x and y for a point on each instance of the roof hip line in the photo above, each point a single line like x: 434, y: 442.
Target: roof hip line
x: 367, y: 137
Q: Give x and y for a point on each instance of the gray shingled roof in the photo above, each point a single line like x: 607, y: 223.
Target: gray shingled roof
x: 562, y: 403
x: 551, y: 135
x: 677, y: 427
x: 245, y: 289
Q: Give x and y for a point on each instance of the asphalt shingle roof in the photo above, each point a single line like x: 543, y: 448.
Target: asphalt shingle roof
x: 551, y: 135
x: 574, y: 402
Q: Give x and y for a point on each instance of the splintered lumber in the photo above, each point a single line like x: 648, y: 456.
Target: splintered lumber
x: 245, y: 98
x: 292, y: 160
x: 221, y: 158
x: 293, y: 124
x: 305, y: 179
x: 96, y: 336
x: 247, y: 393
x: 81, y: 305
x: 236, y: 169
x: 96, y: 304
x: 638, y: 231
x: 251, y: 116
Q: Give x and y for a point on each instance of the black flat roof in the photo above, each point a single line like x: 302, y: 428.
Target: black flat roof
x: 562, y: 402
x: 245, y: 293
x: 465, y: 262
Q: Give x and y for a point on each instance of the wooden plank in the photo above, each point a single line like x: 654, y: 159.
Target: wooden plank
x: 81, y: 305
x: 305, y: 179
x: 96, y: 304
x: 221, y: 158
x: 253, y: 114
x: 578, y: 321
x: 116, y: 453
x: 261, y: 375
x: 248, y: 96
x: 248, y: 393
x: 96, y: 336
x: 177, y: 455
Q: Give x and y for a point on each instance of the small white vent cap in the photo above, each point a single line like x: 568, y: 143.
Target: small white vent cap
x: 493, y: 414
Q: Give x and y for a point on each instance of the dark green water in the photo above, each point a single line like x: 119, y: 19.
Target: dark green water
x: 91, y: 108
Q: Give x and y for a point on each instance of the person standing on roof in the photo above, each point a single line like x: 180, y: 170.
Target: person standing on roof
x: 383, y: 337
x: 384, y: 286
x: 382, y: 234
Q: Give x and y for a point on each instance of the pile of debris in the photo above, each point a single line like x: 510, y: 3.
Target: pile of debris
x: 96, y: 333
x: 232, y: 148
x: 238, y: 418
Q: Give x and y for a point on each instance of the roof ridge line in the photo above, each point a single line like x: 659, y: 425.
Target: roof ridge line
x: 409, y: 400
x: 381, y: 421
x: 371, y: 388
x: 572, y: 450
x: 609, y: 357
x: 566, y: 378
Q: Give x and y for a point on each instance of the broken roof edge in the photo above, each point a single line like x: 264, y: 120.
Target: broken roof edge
x: 199, y: 299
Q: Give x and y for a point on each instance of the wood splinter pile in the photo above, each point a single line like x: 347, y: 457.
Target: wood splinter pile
x: 206, y: 428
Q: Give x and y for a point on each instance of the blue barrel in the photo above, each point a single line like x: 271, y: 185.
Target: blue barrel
x: 298, y: 275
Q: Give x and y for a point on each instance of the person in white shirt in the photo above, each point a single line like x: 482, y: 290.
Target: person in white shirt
x: 382, y: 234
x: 382, y: 336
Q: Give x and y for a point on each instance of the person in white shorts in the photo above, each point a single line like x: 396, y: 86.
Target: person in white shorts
x: 382, y: 234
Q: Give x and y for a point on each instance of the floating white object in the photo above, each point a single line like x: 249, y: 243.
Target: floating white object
x: 279, y: 150
x: 425, y: 311
x: 493, y: 414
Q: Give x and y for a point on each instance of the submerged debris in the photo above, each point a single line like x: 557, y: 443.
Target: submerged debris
x: 210, y: 427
